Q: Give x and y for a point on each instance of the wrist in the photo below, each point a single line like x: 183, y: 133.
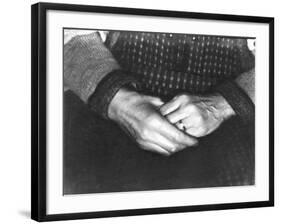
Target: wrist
x: 224, y: 109
x: 121, y: 102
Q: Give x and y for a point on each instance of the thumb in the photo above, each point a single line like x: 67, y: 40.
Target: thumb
x: 156, y: 101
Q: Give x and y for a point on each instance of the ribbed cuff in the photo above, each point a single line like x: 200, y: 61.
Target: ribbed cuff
x: 107, y: 88
x: 238, y: 100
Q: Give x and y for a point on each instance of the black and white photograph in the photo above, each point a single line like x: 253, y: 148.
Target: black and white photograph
x: 157, y: 111
x: 142, y: 111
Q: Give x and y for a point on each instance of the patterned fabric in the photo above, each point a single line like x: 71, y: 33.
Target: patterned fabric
x: 158, y: 64
x: 99, y: 157
x: 107, y: 88
x: 167, y: 64
x: 238, y: 100
x: 86, y: 62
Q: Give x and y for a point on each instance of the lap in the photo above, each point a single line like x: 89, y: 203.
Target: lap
x: 99, y: 157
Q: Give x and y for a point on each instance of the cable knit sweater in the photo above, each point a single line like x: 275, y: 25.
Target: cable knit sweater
x: 158, y: 64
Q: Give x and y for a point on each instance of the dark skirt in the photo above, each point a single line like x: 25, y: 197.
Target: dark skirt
x: 99, y: 157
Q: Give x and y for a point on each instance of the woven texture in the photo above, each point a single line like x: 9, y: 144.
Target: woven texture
x: 107, y: 88
x: 86, y: 62
x: 159, y: 64
x: 99, y: 157
x: 168, y: 64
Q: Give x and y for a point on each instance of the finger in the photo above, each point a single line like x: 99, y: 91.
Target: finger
x: 164, y: 143
x: 169, y: 107
x: 185, y: 125
x: 195, y: 131
x: 180, y: 126
x: 156, y: 101
x: 192, y: 128
x: 173, y: 134
x: 155, y: 148
x: 177, y: 115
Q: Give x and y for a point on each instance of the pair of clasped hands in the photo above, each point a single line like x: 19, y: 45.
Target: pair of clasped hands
x: 167, y: 128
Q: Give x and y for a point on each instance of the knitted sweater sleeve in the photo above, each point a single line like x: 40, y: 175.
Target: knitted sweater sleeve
x: 239, y: 96
x: 238, y: 100
x: 92, y: 73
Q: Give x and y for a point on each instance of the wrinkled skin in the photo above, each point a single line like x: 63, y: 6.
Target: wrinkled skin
x: 139, y: 116
x: 197, y: 116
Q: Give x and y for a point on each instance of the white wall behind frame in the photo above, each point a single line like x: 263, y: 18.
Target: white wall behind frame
x: 15, y: 111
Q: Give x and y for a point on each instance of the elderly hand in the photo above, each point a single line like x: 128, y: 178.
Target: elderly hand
x: 197, y: 115
x: 139, y: 116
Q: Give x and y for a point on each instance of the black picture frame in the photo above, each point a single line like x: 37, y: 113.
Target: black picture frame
x: 39, y: 122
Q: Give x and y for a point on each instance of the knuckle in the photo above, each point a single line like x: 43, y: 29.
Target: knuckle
x: 197, y: 110
x: 176, y: 97
x: 142, y: 145
x: 190, y: 141
x: 186, y: 108
x: 152, y: 121
x: 203, y: 130
x: 200, y: 119
x: 173, y: 149
x: 180, y: 137
x: 184, y: 97
x: 169, y: 117
x: 193, y: 132
x: 193, y: 108
x: 144, y: 134
x: 149, y: 119
x: 194, y: 142
x: 199, y: 132
x: 178, y: 148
